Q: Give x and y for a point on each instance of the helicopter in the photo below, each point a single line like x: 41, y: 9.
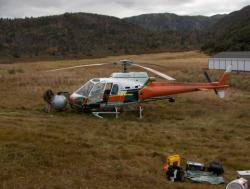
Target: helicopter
x: 125, y: 89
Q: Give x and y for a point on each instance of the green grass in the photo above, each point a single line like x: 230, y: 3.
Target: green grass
x: 73, y: 150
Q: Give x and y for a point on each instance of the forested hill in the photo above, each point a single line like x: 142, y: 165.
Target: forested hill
x: 81, y: 35
x: 231, y: 33
x: 162, y: 22
x: 77, y: 35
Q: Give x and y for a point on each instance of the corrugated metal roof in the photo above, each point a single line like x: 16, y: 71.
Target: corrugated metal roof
x: 233, y: 54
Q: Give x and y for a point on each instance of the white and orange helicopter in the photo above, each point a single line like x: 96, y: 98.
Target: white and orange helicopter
x: 123, y: 89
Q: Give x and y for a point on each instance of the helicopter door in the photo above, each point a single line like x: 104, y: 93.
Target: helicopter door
x: 107, y: 92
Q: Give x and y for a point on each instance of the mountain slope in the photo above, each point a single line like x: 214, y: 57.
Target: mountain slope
x: 231, y: 33
x: 79, y: 35
x: 163, y: 22
x: 192, y: 29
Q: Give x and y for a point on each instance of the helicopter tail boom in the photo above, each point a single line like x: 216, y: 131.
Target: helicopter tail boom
x: 156, y: 89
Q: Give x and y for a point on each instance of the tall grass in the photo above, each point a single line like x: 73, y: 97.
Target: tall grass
x: 73, y: 150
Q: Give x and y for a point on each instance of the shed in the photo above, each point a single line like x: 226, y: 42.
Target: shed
x: 239, y: 61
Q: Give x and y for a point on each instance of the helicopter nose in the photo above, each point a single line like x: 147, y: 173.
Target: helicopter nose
x: 77, y: 100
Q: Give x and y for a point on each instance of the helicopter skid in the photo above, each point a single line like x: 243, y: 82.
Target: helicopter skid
x: 116, y: 113
x: 97, y: 114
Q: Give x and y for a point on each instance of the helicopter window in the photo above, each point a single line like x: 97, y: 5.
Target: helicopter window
x: 114, y: 89
x: 96, y: 93
x: 85, y: 89
x: 97, y: 89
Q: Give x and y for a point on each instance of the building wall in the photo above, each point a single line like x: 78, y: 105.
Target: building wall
x: 238, y: 64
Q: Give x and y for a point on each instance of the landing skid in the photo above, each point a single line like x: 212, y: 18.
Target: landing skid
x: 116, y: 113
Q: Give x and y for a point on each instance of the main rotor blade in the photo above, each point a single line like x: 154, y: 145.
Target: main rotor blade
x: 73, y: 67
x: 156, y: 72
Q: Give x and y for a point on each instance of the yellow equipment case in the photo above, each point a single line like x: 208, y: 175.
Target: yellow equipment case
x: 174, y: 159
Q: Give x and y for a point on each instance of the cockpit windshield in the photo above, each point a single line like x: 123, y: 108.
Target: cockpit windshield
x: 96, y: 94
x: 97, y: 89
x: 85, y: 89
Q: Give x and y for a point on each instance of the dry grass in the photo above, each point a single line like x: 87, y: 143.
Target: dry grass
x: 72, y: 150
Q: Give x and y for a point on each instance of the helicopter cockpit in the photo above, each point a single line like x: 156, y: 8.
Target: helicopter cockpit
x: 85, y: 89
x: 97, y: 90
x: 116, y: 89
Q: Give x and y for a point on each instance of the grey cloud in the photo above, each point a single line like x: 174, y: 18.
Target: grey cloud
x: 127, y: 4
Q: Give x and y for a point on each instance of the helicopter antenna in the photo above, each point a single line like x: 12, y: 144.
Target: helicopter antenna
x: 124, y: 63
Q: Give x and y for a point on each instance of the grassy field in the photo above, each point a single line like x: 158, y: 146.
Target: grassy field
x: 64, y: 150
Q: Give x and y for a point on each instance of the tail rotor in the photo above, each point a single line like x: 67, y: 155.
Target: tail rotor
x: 210, y: 81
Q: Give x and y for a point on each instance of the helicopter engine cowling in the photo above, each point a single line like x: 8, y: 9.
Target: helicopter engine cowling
x: 59, y: 102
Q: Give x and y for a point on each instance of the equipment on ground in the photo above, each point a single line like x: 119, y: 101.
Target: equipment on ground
x: 174, y: 159
x: 244, y: 174
x: 204, y: 177
x: 240, y: 183
x: 175, y: 173
x: 194, y: 171
x: 123, y: 89
x: 215, y: 167
x: 58, y: 101
x: 195, y: 166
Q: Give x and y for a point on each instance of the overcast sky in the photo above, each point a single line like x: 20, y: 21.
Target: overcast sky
x: 118, y: 8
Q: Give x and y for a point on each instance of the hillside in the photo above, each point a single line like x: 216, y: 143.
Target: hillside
x: 231, y: 33
x: 79, y: 35
x: 192, y: 29
x: 163, y: 22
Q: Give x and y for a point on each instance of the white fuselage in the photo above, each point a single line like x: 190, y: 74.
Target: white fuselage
x: 116, y: 85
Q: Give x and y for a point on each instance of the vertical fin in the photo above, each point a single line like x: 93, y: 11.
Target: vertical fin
x: 223, y: 80
x: 225, y: 76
